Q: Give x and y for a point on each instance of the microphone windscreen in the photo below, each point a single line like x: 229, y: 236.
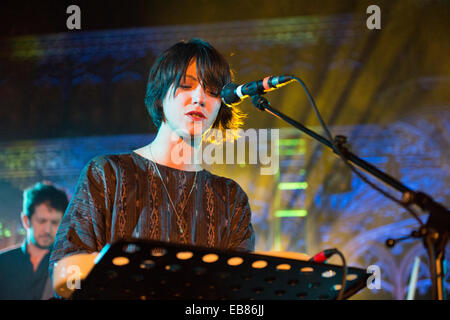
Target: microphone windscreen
x: 228, y: 94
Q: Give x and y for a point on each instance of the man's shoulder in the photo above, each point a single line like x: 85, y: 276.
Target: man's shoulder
x: 11, y: 253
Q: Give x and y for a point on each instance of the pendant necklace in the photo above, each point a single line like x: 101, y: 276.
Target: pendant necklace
x: 179, y: 217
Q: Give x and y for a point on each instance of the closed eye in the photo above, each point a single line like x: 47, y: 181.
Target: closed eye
x: 212, y: 93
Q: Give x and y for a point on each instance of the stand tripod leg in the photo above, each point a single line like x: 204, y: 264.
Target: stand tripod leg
x: 440, y: 279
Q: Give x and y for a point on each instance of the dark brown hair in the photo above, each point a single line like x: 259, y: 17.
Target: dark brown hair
x: 170, y: 67
x: 43, y: 193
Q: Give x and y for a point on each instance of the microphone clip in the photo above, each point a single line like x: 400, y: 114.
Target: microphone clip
x: 260, y: 102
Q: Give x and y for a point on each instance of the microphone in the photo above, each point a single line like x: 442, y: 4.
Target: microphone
x: 233, y: 94
x: 323, y: 256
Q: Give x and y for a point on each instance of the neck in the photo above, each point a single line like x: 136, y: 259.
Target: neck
x: 36, y: 254
x: 171, y: 150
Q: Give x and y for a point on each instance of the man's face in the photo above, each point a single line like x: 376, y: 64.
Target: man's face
x: 41, y: 230
x: 192, y: 111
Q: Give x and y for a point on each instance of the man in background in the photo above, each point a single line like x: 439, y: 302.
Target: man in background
x: 24, y: 269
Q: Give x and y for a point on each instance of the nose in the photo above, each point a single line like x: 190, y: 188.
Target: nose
x: 45, y: 230
x: 198, y: 96
x: 47, y: 227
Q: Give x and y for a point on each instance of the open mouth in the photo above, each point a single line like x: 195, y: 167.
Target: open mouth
x: 196, y: 115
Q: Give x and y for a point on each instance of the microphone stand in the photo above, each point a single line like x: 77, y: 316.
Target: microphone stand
x: 434, y: 233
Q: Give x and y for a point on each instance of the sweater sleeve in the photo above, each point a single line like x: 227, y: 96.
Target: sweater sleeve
x: 84, y: 226
x: 243, y: 235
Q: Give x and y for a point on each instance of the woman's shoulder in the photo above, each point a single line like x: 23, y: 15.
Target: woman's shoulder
x: 116, y: 160
x: 114, y: 164
x: 224, y: 183
x: 109, y: 168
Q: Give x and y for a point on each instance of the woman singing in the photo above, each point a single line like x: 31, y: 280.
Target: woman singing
x: 153, y: 193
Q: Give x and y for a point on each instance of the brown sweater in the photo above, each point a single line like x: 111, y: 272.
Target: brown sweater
x: 122, y: 197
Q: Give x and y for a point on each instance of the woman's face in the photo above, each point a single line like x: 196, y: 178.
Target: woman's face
x: 193, y: 110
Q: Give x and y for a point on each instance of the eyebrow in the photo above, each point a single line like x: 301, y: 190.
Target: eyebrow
x: 192, y: 77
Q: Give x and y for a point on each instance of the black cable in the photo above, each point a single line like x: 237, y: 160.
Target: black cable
x: 344, y: 275
x: 326, y: 254
x: 351, y: 166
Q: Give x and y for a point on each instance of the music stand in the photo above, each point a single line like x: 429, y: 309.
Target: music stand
x: 166, y: 271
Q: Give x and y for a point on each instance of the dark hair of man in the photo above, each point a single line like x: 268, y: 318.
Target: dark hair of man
x: 170, y: 67
x: 43, y: 193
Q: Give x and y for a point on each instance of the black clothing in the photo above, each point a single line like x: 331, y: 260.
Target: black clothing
x: 18, y: 281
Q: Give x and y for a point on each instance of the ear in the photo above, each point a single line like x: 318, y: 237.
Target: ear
x: 25, y: 221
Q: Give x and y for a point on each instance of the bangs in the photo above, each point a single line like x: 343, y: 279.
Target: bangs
x: 212, y: 74
x: 212, y: 69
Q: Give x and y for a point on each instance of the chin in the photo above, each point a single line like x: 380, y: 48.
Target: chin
x: 44, y: 245
x: 192, y: 133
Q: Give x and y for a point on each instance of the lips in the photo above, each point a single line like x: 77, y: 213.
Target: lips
x: 196, y: 115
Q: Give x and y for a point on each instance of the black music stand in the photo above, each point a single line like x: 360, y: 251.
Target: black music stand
x: 165, y: 271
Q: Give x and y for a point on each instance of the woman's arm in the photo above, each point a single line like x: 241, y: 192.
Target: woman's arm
x: 83, y: 228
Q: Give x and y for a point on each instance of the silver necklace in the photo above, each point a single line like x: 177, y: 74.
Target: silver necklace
x: 179, y: 217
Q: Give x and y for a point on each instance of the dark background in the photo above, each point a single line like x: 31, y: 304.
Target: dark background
x: 37, y: 17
